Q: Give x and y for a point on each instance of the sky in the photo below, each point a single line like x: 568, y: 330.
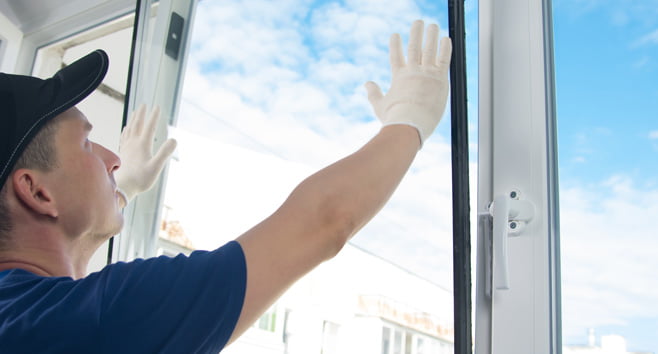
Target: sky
x: 273, y: 91
x: 606, y: 58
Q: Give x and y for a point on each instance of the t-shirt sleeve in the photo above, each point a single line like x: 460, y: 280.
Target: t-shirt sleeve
x: 184, y: 304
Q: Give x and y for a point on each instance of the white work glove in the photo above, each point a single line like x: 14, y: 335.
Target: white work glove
x: 419, y: 88
x: 139, y: 167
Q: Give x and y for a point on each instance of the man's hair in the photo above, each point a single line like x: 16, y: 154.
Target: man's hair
x: 39, y: 155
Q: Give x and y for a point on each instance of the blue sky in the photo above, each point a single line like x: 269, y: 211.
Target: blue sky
x: 606, y: 57
x: 284, y: 79
x: 607, y: 69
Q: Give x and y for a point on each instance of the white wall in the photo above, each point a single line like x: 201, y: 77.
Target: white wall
x: 11, y: 38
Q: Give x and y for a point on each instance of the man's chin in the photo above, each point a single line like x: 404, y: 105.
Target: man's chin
x: 115, y: 229
x: 119, y: 226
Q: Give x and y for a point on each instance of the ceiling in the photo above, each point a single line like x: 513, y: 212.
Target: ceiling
x: 31, y: 16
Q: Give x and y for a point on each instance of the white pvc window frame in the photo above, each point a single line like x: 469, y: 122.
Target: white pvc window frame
x: 72, y: 24
x: 155, y: 79
x: 518, y: 275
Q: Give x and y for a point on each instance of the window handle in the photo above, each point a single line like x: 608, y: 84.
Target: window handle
x: 510, y: 216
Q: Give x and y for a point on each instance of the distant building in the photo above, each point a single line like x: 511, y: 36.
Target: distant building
x: 610, y: 344
x: 357, y: 303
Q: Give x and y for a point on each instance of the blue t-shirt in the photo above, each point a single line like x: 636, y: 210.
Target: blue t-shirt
x: 159, y: 305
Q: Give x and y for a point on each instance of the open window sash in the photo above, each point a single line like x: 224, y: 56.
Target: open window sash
x: 518, y: 277
x: 160, y: 43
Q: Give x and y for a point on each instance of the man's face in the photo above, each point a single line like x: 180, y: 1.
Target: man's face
x: 83, y: 182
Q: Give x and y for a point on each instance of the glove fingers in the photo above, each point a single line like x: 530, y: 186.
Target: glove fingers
x: 164, y: 153
x: 415, y: 43
x: 375, y: 97
x: 151, y: 125
x: 396, y: 53
x: 374, y: 93
x: 445, y: 53
x: 431, y: 43
x: 127, y: 130
x: 136, y: 122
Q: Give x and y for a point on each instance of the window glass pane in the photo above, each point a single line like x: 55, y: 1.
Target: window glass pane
x: 267, y: 321
x: 397, y: 342
x: 386, y: 340
x: 606, y: 56
x: 407, y: 343
x: 330, y: 338
x: 420, y: 346
x: 273, y: 91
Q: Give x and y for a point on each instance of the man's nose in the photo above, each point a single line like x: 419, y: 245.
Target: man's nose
x: 112, y: 160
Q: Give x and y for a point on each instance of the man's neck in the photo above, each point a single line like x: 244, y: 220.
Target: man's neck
x: 54, y: 257
x: 32, y: 268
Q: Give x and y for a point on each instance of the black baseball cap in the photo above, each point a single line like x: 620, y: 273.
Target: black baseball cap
x: 27, y: 103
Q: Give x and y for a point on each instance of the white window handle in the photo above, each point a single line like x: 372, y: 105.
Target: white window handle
x: 510, y: 215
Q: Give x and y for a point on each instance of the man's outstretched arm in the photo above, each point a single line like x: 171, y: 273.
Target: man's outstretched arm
x: 330, y: 206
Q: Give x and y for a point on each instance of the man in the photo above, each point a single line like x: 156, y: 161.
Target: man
x: 59, y: 202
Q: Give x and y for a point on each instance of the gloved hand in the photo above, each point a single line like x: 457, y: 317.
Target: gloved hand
x: 139, y: 167
x: 419, y: 88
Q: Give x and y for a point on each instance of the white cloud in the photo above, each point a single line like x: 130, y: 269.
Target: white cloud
x: 650, y: 38
x: 220, y: 190
x: 618, y: 13
x: 608, y: 254
x: 642, y: 62
x: 653, y: 135
x: 293, y: 63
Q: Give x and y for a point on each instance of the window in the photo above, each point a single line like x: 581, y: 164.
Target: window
x: 397, y: 339
x: 517, y: 292
x: 330, y: 338
x: 407, y: 343
x: 386, y: 340
x: 272, y: 93
x: 397, y: 342
x: 235, y: 107
x: 420, y: 346
x: 601, y: 230
x: 267, y: 321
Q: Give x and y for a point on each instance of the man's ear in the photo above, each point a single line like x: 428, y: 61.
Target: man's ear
x: 32, y: 193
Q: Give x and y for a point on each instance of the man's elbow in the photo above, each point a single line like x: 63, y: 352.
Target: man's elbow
x: 328, y: 219
x: 341, y: 224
